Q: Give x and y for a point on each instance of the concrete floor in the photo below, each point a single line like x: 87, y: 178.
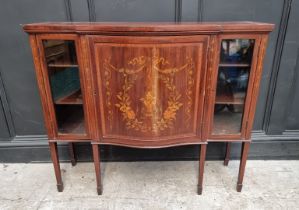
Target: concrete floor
x: 152, y: 186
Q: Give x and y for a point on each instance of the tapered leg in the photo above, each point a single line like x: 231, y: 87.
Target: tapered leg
x: 96, y: 160
x: 203, y: 148
x: 244, y: 154
x: 72, y: 154
x: 55, y: 160
x: 227, y: 153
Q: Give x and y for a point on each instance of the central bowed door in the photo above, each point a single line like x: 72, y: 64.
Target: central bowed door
x: 150, y: 89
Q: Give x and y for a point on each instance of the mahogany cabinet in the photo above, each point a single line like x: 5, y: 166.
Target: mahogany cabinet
x: 148, y: 85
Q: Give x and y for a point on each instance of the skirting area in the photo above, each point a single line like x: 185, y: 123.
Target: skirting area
x: 22, y: 151
x: 151, y: 185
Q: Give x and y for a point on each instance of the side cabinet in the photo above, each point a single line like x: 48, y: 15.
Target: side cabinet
x: 63, y: 84
x: 148, y: 85
x: 233, y: 87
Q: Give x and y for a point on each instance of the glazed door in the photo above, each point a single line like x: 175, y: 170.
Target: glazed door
x: 150, y: 89
x: 234, y: 78
x: 64, y: 86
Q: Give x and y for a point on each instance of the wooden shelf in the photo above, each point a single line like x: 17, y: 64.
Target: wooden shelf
x: 226, y: 99
x: 73, y: 98
x: 226, y: 122
x: 50, y: 44
x: 234, y: 65
x: 73, y: 122
x: 62, y: 65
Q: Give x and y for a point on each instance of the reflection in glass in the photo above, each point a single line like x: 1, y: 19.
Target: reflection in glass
x: 232, y: 82
x: 65, y: 86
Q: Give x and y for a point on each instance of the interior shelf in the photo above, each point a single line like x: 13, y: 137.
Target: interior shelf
x: 73, y: 124
x: 227, y: 122
x: 74, y: 97
x: 228, y: 99
x: 49, y: 44
x: 234, y: 65
x: 62, y: 65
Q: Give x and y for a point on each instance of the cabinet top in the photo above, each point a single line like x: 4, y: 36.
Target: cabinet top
x: 147, y: 27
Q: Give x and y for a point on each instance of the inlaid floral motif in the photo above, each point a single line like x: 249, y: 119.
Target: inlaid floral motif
x: 159, y: 119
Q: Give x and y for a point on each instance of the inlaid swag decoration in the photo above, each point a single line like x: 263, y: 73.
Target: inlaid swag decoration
x: 160, y: 120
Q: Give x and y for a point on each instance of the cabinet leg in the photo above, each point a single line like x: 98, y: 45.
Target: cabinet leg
x: 244, y: 154
x: 72, y: 154
x: 55, y: 160
x: 96, y: 159
x: 203, y: 148
x: 227, y: 153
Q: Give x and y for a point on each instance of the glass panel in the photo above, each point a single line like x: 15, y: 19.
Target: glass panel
x: 63, y: 71
x: 233, y: 75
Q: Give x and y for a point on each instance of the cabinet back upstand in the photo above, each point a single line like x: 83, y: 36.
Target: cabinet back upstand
x: 148, y: 85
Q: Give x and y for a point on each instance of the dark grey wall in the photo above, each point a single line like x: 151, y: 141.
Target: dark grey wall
x: 276, y: 128
x: 3, y: 125
x: 285, y: 109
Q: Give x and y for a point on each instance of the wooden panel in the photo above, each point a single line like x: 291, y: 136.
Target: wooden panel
x: 256, y: 85
x: 150, y: 88
x: 148, y: 28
